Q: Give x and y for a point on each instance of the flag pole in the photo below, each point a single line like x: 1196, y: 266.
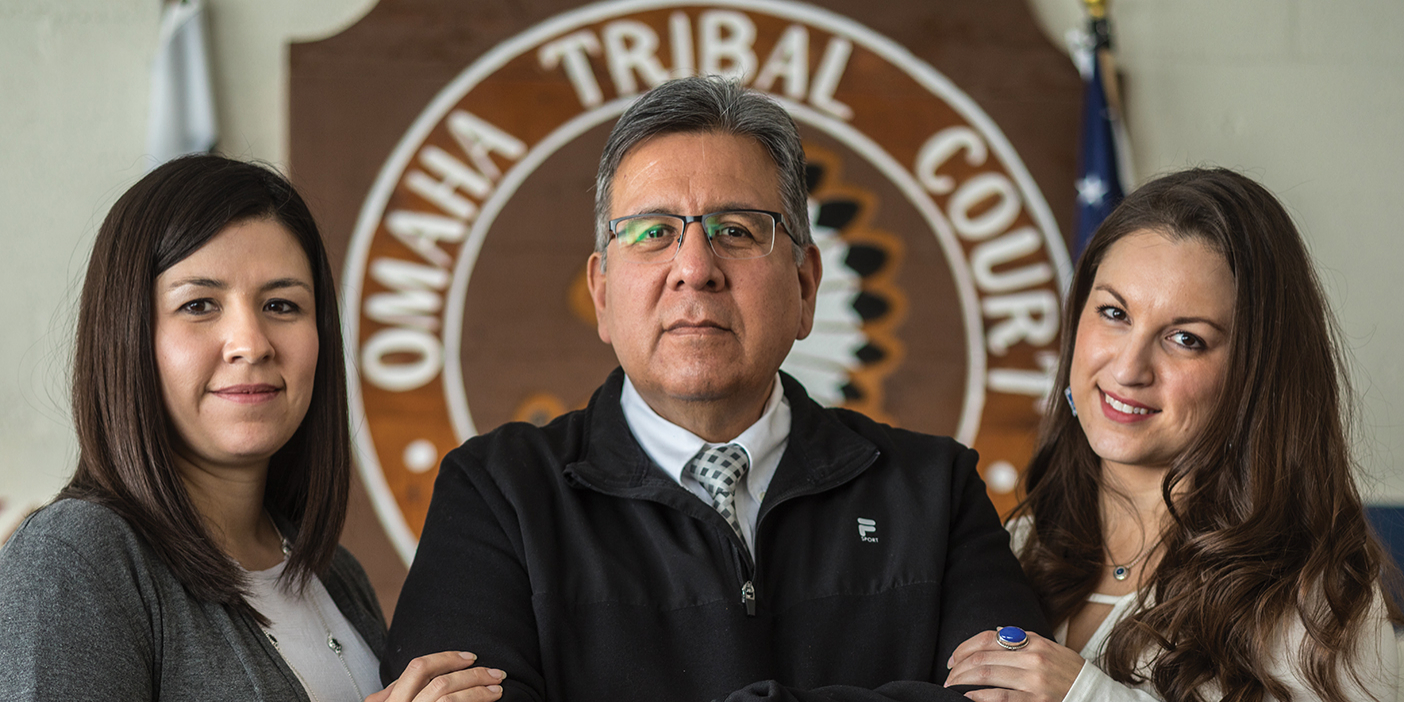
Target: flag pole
x: 1100, y: 31
x: 1101, y: 175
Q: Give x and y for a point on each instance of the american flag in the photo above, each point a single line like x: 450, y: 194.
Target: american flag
x: 1101, y: 154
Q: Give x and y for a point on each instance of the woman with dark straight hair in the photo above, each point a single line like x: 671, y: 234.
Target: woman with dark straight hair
x: 193, y: 555
x: 1190, y: 516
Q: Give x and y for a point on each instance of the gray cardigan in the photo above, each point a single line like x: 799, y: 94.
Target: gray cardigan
x: 89, y: 612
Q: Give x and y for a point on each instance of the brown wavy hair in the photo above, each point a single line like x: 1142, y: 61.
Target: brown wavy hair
x: 126, y: 460
x: 1266, y: 525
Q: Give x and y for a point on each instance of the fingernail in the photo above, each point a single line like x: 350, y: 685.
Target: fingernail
x: 950, y: 662
x: 495, y: 688
x: 468, y: 656
x: 497, y: 673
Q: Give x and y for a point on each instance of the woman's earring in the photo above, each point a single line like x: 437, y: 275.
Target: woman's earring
x: 1067, y: 392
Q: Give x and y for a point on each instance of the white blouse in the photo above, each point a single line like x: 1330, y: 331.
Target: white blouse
x: 300, y: 626
x: 1377, y: 655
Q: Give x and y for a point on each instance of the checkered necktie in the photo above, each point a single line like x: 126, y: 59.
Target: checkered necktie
x: 719, y: 470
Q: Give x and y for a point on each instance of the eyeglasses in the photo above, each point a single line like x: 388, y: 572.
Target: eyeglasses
x: 657, y: 238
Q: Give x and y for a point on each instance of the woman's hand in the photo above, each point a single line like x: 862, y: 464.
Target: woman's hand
x: 1042, y: 671
x: 443, y: 677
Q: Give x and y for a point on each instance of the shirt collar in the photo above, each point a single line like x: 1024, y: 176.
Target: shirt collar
x: 671, y: 446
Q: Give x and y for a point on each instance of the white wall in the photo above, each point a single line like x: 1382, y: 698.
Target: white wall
x: 73, y: 103
x: 1306, y: 95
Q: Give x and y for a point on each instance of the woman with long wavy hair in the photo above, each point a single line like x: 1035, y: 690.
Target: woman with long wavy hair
x: 1190, y: 516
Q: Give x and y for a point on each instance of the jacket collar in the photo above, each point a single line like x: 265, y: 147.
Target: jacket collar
x: 822, y: 451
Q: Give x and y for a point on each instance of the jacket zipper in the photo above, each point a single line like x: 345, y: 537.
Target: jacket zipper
x: 748, y: 588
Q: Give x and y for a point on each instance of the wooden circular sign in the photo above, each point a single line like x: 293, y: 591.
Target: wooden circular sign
x: 465, y: 304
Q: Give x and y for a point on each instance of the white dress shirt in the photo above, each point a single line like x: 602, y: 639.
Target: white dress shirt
x: 671, y: 447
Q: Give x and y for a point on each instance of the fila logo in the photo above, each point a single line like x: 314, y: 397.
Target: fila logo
x: 865, y: 527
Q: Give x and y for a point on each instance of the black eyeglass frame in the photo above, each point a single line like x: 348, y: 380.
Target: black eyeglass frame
x: 689, y: 219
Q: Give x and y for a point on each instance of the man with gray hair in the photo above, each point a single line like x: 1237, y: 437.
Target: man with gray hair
x: 703, y: 530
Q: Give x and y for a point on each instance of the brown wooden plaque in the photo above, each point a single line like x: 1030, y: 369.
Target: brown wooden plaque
x: 449, y: 150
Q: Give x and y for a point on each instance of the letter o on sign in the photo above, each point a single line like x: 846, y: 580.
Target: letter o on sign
x: 993, y: 220
x: 427, y: 359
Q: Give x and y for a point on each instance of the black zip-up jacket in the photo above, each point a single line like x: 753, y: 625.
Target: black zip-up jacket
x: 564, y: 556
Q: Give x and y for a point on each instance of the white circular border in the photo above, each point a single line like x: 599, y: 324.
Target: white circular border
x: 374, y: 207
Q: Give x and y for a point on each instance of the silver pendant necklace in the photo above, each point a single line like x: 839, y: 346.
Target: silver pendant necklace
x: 1122, y: 572
x: 332, y: 643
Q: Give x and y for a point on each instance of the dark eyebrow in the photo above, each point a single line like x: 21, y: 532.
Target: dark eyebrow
x: 283, y: 283
x: 1108, y: 290
x: 1178, y: 320
x: 198, y: 283
x: 734, y: 206
x: 1200, y: 320
x: 731, y: 205
x: 278, y: 284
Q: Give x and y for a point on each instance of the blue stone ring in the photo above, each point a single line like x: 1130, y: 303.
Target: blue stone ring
x: 1011, y: 637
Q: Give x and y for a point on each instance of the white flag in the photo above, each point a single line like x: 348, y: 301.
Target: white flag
x: 182, y: 118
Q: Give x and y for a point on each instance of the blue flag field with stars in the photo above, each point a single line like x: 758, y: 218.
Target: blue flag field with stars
x: 1098, y: 179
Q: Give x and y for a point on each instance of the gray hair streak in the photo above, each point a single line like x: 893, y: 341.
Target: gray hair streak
x: 710, y: 104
